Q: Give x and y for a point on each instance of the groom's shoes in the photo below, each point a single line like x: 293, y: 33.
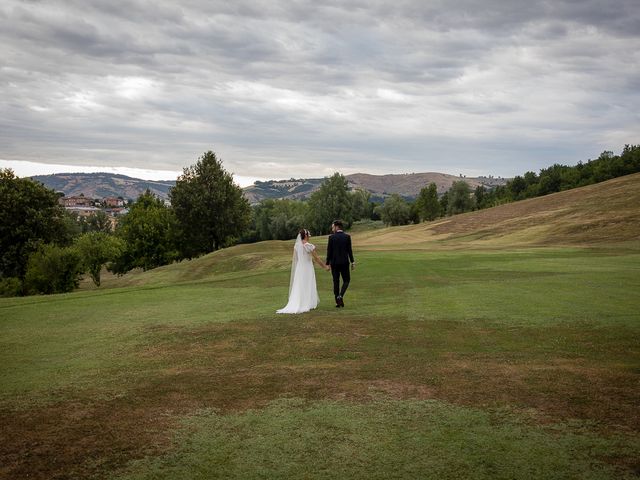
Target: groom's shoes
x: 340, y: 302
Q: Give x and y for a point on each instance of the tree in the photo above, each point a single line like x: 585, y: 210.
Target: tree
x: 210, y: 209
x: 444, y: 203
x: 362, y: 208
x: 427, y: 203
x: 279, y: 219
x: 10, y: 287
x: 395, y: 210
x: 53, y: 269
x: 29, y: 217
x: 630, y: 159
x: 549, y: 181
x: 602, y: 170
x: 532, y: 184
x: 517, y: 186
x: 96, y: 249
x: 148, y: 233
x: 414, y: 213
x: 73, y: 225
x: 98, y: 222
x: 460, y: 199
x: 480, y: 195
x: 332, y: 201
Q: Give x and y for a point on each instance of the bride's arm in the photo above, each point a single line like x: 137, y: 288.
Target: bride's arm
x: 318, y: 261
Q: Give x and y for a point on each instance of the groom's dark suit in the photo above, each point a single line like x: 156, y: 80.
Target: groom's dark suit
x: 339, y: 255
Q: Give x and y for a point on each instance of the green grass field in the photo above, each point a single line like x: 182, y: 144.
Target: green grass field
x: 489, y: 361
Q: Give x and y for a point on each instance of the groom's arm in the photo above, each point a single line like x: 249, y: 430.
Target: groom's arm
x: 329, y: 250
x: 350, y: 252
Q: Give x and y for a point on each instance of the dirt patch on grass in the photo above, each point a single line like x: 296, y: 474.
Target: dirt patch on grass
x: 80, y: 438
x: 233, y: 367
x: 559, y: 389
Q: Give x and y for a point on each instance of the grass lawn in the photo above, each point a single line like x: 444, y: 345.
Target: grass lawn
x: 459, y: 363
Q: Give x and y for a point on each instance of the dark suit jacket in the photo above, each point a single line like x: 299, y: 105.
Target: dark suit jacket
x: 339, y: 249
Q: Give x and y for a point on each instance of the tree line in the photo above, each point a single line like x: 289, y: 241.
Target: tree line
x: 460, y: 198
x: 45, y: 249
x: 557, y: 178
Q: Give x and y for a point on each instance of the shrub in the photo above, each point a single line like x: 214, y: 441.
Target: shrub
x: 53, y: 269
x: 10, y: 287
x: 96, y: 249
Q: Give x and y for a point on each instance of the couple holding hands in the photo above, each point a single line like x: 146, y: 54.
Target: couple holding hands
x: 303, y: 292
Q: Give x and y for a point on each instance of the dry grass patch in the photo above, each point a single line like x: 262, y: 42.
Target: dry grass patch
x: 243, y: 365
x: 560, y: 389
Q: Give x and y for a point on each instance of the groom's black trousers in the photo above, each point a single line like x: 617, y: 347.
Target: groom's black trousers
x: 340, y: 271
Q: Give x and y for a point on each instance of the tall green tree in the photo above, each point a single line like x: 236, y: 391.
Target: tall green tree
x: 74, y: 225
x: 414, y: 213
x: 29, y: 217
x: 96, y: 249
x: 362, y: 207
x: 460, y: 199
x: 331, y: 202
x: 148, y: 233
x: 551, y: 179
x: 210, y: 209
x: 629, y: 160
x: 279, y: 219
x: 427, y: 203
x: 480, y: 196
x: 395, y: 211
x: 517, y: 186
x: 444, y: 204
x: 97, y: 222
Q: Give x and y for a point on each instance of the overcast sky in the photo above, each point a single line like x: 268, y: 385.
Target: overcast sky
x: 306, y: 88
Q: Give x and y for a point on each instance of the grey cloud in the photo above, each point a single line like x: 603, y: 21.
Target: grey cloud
x: 355, y: 85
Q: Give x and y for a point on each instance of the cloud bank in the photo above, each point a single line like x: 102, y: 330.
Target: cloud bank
x: 281, y: 89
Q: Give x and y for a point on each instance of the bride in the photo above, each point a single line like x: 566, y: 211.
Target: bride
x: 303, y: 294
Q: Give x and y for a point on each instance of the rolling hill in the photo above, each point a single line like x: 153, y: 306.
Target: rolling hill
x: 380, y: 186
x: 410, y: 184
x: 100, y: 185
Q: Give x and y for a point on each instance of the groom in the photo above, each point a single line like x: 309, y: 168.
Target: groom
x: 339, y: 255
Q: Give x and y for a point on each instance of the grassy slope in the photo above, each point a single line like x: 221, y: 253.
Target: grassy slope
x: 604, y: 213
x: 499, y: 344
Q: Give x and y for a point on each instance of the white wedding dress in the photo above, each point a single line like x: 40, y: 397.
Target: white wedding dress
x: 303, y: 293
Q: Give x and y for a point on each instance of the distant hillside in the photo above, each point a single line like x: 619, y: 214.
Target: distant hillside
x: 380, y: 186
x: 100, y: 185
x: 410, y: 184
x: 293, y: 189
